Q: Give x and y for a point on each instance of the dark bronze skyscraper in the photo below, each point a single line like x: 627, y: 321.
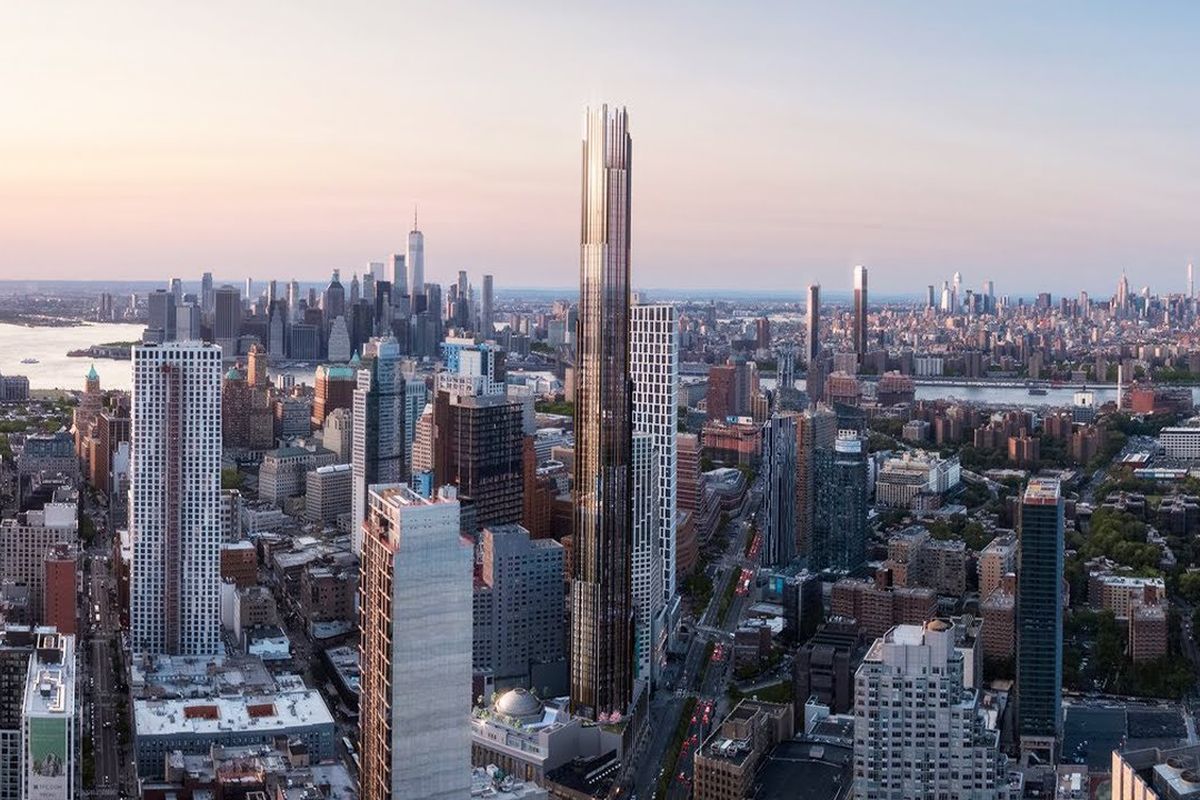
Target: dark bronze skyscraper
x: 601, y: 606
x: 860, y: 311
x: 812, y: 344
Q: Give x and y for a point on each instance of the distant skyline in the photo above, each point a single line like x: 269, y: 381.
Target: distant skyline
x: 1043, y: 146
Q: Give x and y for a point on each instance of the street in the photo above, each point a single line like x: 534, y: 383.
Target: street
x: 100, y: 668
x: 698, y: 679
x: 100, y: 624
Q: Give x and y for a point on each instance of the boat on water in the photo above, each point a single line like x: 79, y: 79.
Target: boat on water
x: 30, y: 361
x: 1037, y: 391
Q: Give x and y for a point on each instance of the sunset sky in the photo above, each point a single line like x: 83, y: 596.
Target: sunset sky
x: 1044, y: 145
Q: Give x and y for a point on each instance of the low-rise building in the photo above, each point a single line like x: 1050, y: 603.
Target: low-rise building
x: 329, y: 491
x: 725, y: 765
x: 824, y: 669
x: 877, y: 606
x: 818, y: 764
x: 903, y: 478
x: 996, y: 560
x: 529, y: 738
x: 282, y: 472
x: 239, y: 563
x: 1148, y: 629
x: 999, y: 620
x: 1119, y: 593
x: 1155, y: 773
x: 194, y: 726
x: 327, y: 592
x: 282, y: 769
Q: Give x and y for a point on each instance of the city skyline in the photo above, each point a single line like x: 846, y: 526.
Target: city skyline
x: 398, y: 529
x: 831, y: 140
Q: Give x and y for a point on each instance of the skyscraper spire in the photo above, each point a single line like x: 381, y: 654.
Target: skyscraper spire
x: 414, y: 227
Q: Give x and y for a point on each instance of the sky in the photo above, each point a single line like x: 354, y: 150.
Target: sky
x: 1046, y: 146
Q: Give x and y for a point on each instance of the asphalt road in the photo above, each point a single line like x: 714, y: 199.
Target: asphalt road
x: 97, y: 680
x: 694, y: 677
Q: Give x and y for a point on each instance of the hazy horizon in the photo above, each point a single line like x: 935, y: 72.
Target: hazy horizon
x: 1043, y: 147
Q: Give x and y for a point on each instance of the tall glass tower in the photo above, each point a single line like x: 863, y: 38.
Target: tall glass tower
x: 1040, y: 619
x: 601, y: 606
x: 813, y: 325
x: 839, y: 535
x: 416, y: 266
x: 860, y: 311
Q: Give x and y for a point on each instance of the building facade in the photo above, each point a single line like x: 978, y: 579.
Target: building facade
x: 839, y: 539
x: 779, y: 495
x: 377, y: 429
x: 918, y: 730
x: 860, y: 311
x: 646, y: 561
x: 816, y: 428
x: 477, y: 446
x: 175, y: 499
x: 654, y: 368
x: 415, y: 619
x: 518, y: 604
x: 50, y: 762
x: 601, y: 597
x: 1040, y: 618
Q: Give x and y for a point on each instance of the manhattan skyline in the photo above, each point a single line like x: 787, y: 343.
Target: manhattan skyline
x: 1042, y: 149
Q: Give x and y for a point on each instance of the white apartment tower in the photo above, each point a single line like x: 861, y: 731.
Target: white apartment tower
x: 918, y: 732
x: 416, y: 621
x: 175, y: 498
x: 654, y: 368
x: 646, y: 574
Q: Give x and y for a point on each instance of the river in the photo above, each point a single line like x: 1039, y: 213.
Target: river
x: 1003, y: 396
x: 56, y: 370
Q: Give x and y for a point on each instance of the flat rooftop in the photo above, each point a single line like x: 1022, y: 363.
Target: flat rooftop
x: 158, y: 677
x: 223, y: 715
x: 1042, y: 491
x: 50, y: 682
x: 1091, y: 732
x: 824, y: 769
x: 399, y: 494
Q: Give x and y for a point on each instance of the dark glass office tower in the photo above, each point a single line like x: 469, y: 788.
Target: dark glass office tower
x: 601, y: 607
x: 839, y: 537
x: 1039, y: 619
x: 812, y: 324
x: 779, y: 497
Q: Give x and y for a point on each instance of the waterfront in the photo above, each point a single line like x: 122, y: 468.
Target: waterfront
x: 1003, y: 395
x: 55, y: 369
